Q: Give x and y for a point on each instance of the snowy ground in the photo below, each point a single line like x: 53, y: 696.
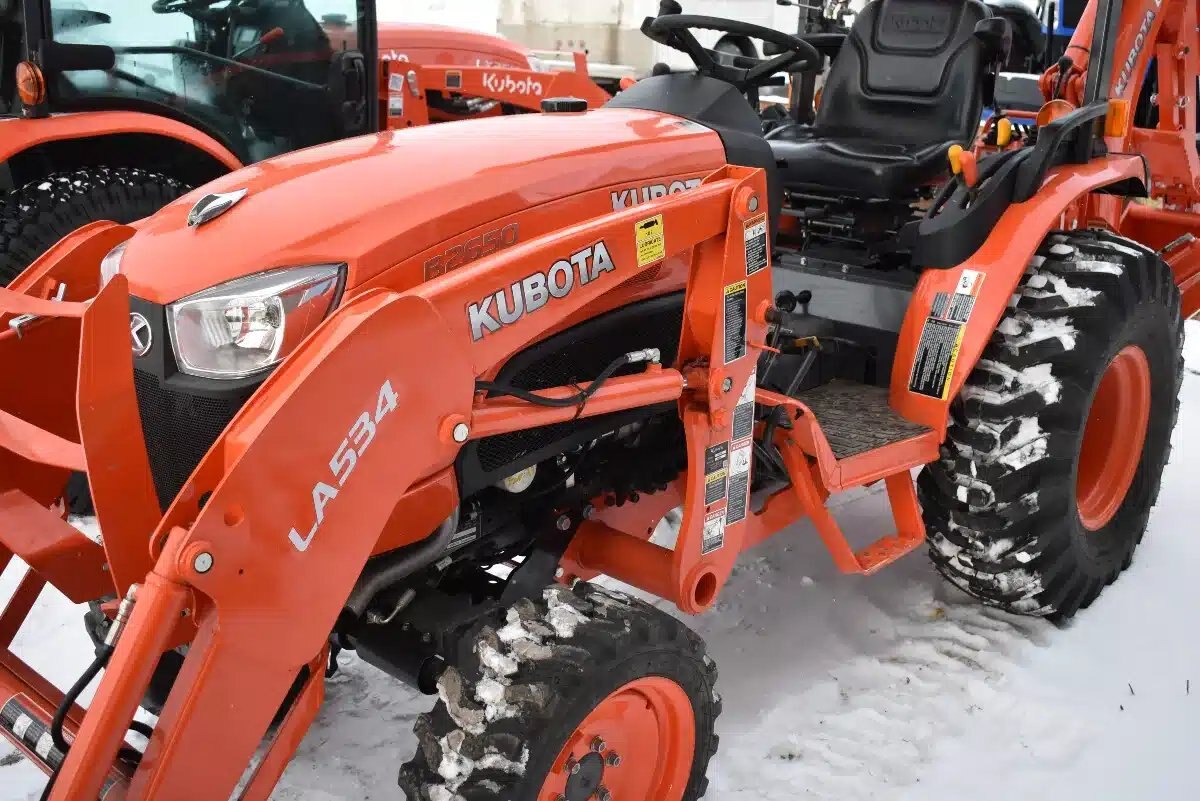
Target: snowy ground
x: 836, y: 687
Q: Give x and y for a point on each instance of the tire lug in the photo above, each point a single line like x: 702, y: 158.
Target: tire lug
x: 598, y: 745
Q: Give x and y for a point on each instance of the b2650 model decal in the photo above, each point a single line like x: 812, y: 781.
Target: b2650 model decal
x: 635, y: 196
x: 508, y: 306
x: 474, y: 248
x: 343, y: 462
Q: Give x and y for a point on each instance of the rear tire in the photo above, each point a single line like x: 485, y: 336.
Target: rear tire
x: 41, y: 213
x: 507, y: 723
x: 1005, y: 506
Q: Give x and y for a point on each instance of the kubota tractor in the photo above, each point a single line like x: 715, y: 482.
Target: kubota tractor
x: 368, y: 375
x: 110, y: 109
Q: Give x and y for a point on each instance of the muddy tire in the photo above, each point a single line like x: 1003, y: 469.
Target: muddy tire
x: 1045, y: 483
x: 549, y: 685
x: 39, y: 214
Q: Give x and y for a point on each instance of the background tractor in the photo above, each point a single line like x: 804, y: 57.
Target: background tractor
x: 112, y: 108
x: 417, y: 421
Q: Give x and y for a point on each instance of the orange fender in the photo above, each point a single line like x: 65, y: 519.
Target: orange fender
x: 18, y: 135
x: 1000, y: 262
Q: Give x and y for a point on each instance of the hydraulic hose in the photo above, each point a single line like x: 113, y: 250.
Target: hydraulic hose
x: 385, y: 570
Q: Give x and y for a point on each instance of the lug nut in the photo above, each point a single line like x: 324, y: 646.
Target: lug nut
x: 563, y: 523
x: 613, y: 760
x: 572, y: 765
x: 598, y: 745
x: 603, y: 794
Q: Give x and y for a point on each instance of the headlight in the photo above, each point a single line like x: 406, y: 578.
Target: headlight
x: 250, y: 324
x: 110, y: 265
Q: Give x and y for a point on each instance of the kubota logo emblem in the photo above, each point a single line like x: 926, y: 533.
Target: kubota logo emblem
x: 508, y: 306
x: 507, y: 84
x: 627, y: 198
x: 140, y: 333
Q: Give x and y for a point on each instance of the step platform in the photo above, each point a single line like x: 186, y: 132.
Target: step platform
x: 844, y: 435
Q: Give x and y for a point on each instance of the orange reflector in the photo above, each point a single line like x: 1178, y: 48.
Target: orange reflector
x: 627, y: 82
x: 1116, y: 122
x: 31, y: 84
x: 955, y: 154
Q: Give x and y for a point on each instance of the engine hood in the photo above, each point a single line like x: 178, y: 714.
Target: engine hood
x: 374, y: 201
x: 441, y: 44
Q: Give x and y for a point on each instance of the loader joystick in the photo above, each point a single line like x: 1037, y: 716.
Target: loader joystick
x: 674, y: 29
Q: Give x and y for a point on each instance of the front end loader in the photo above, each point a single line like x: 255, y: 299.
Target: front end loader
x: 410, y: 394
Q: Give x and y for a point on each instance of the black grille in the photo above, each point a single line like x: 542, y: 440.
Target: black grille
x: 179, y: 428
x: 579, y: 355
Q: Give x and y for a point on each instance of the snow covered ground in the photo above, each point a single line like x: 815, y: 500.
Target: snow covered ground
x: 849, y: 688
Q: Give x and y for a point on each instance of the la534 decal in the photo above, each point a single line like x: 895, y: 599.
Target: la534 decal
x: 343, y: 462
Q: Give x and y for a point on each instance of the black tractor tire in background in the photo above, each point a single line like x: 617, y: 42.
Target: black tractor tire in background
x: 1001, y: 508
x: 42, y: 212
x: 39, y: 214
x: 508, y: 710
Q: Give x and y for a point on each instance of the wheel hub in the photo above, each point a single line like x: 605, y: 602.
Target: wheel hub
x: 587, y: 777
x: 1113, y: 438
x: 638, y: 744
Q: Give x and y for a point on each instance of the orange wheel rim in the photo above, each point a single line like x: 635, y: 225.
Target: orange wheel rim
x: 636, y: 745
x: 1113, y: 438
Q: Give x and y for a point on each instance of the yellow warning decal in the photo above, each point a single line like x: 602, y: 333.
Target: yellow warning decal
x: 651, y: 243
x: 949, y: 379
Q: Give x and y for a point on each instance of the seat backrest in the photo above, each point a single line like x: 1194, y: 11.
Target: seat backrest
x: 911, y: 72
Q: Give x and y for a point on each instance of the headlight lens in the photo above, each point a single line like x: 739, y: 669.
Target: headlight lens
x: 110, y: 265
x: 250, y: 324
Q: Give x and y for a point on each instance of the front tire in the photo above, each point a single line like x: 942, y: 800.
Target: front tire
x: 42, y: 212
x: 585, y: 693
x: 1057, y: 443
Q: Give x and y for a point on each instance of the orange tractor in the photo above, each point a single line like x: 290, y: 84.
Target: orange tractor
x: 369, y: 375
x: 113, y: 108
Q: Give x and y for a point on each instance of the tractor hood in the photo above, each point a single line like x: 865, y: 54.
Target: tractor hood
x: 375, y: 201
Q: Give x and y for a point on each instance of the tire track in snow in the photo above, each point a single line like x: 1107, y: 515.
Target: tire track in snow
x: 874, y: 725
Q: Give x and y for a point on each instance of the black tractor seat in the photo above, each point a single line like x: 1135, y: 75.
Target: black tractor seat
x: 857, y: 165
x: 908, y: 84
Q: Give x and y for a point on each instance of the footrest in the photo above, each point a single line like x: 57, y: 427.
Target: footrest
x: 857, y: 418
x: 886, y: 550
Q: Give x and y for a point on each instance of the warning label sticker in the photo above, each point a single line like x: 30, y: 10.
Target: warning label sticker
x: 735, y: 321
x: 396, y: 82
x: 739, y: 482
x: 942, y: 336
x: 716, y: 460
x: 396, y: 106
x: 743, y: 413
x: 936, y: 354
x: 756, y: 244
x: 714, y: 532
x: 651, y: 244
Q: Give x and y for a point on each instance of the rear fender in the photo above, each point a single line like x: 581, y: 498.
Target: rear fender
x: 19, y: 135
x: 998, y: 266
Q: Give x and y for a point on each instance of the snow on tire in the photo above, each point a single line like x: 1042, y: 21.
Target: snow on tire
x: 40, y: 213
x: 1004, y: 506
x: 508, y: 716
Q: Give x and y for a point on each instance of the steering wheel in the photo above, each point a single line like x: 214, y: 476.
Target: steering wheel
x: 674, y: 29
x: 176, y: 6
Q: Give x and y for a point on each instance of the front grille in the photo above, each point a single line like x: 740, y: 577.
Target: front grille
x: 179, y: 429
